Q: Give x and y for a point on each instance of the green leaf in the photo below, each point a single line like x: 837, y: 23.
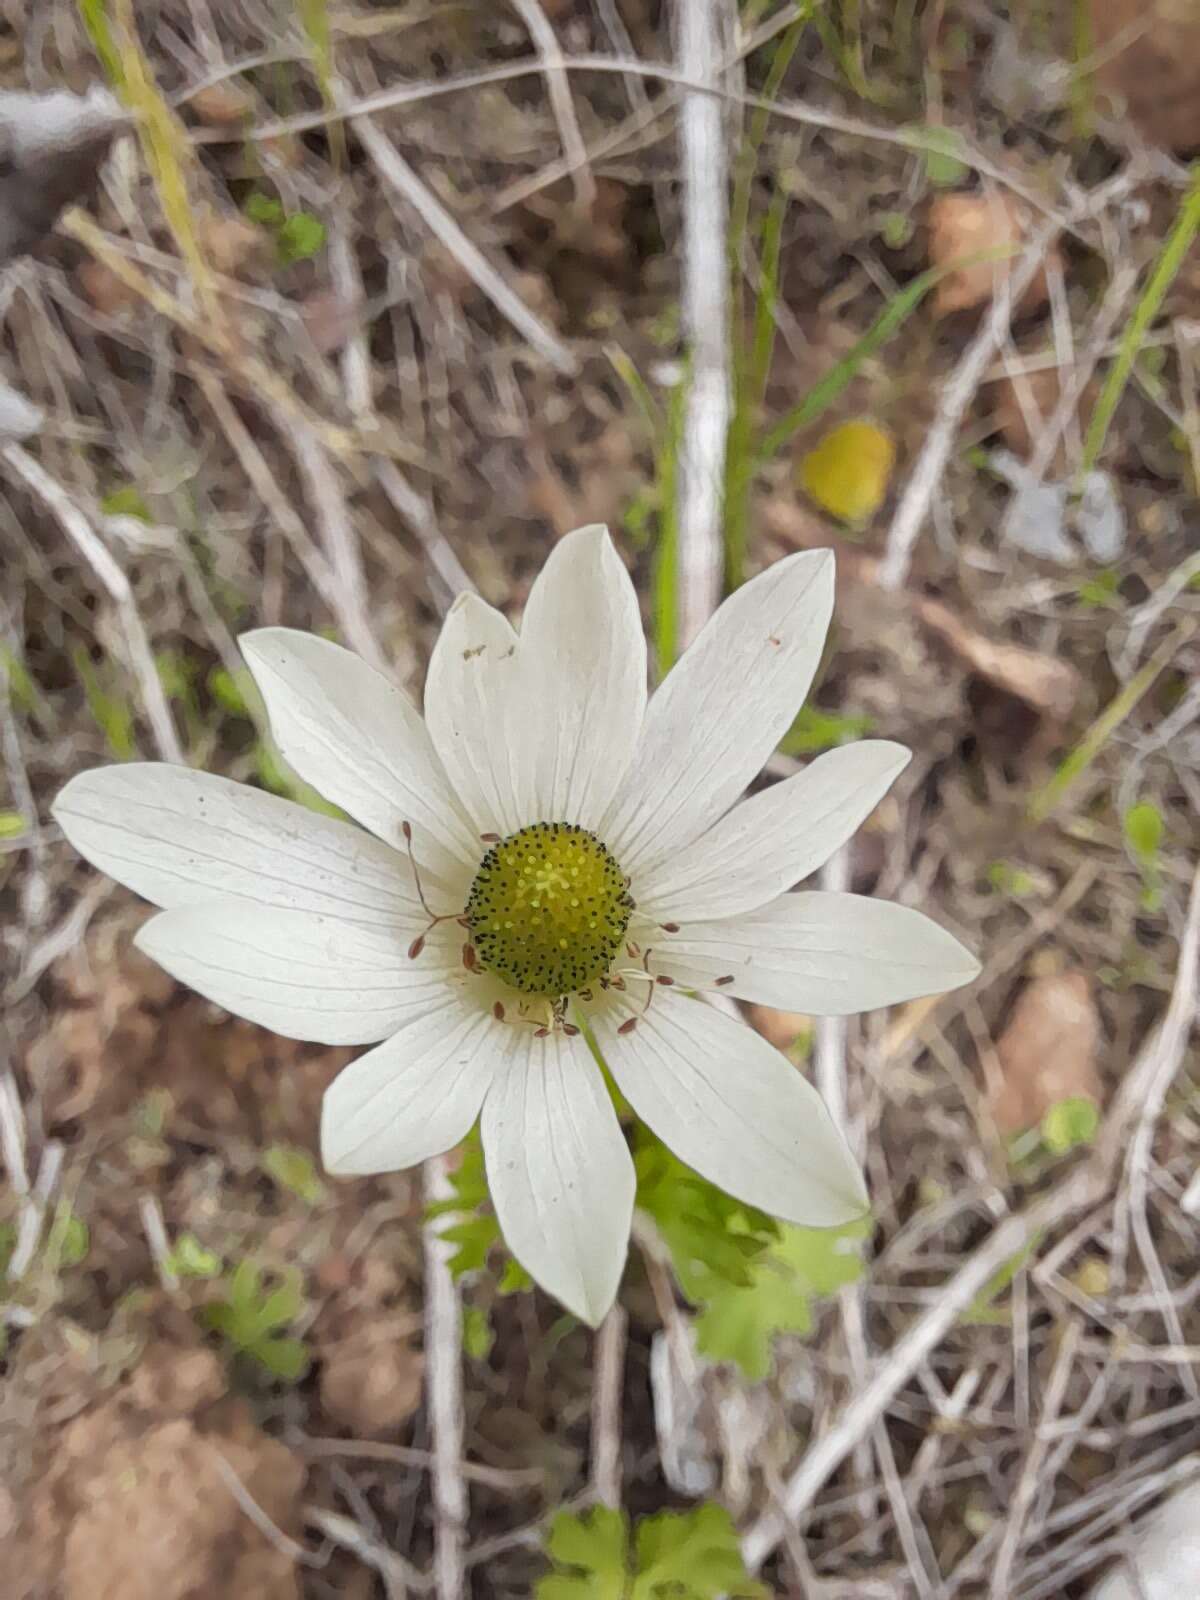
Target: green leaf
x: 229, y: 691
x: 591, y: 1553
x: 190, y: 1259
x: 293, y: 1169
x: 803, y: 1264
x: 285, y: 1359
x: 1070, y: 1123
x: 1143, y: 827
x: 848, y: 471
x: 249, y: 1317
x: 112, y: 715
x: 264, y: 210
x: 694, y: 1554
x: 300, y: 238
x: 814, y: 730
x: 476, y: 1233
x: 478, y: 1335
x: 126, y: 502
x: 12, y: 824
x: 943, y: 150
x: 713, y: 1239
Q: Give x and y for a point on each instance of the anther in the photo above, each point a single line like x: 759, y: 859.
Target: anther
x: 667, y: 983
x: 469, y: 958
x: 721, y: 982
x: 669, y: 927
x: 628, y: 1025
x: 498, y: 1011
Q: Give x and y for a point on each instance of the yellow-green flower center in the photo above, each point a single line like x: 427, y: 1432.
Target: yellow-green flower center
x: 548, y: 909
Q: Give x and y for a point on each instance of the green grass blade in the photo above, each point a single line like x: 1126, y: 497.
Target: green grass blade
x: 750, y: 388
x: 1076, y: 763
x: 666, y: 557
x: 823, y: 393
x: 1171, y: 258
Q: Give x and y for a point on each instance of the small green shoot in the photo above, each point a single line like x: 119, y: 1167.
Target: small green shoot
x: 298, y: 237
x: 983, y: 1311
x: 1142, y: 826
x: 478, y: 1335
x: 292, y: 1169
x: 1015, y: 882
x: 944, y: 152
x: 251, y: 1317
x: 111, y: 714
x: 1069, y: 1124
x: 692, y: 1555
x: 126, y: 502
x: 1103, y: 591
x: 190, y: 1259
x: 12, y: 824
x: 68, y: 1239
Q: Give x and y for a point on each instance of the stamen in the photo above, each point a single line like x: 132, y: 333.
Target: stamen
x: 498, y: 1011
x: 418, y: 944
x: 721, y: 982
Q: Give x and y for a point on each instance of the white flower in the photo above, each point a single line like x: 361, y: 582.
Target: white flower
x: 543, y: 848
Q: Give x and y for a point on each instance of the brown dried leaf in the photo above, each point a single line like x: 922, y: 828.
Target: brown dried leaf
x: 1047, y: 1053
x: 1050, y: 686
x: 968, y: 225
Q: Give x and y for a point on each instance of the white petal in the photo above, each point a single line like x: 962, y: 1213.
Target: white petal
x: 771, y: 841
x: 583, y: 653
x: 827, y: 954
x: 473, y: 711
x: 414, y: 1096
x: 359, y: 741
x: 184, y: 838
x: 305, y: 976
x: 722, y: 710
x: 559, y: 1171
x: 735, y: 1110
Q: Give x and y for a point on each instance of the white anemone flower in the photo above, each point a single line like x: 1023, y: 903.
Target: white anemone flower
x: 545, y: 852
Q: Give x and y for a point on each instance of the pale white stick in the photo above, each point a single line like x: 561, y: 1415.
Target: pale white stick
x: 1080, y: 1188
x: 957, y: 394
x: 609, y: 1362
x: 558, y: 86
x: 705, y: 316
x: 79, y: 530
x: 395, y: 170
x: 443, y: 1379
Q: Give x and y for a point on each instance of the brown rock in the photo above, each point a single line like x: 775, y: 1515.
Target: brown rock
x: 1047, y: 1053
x: 135, y: 1504
x: 220, y: 105
x: 371, y: 1380
x: 967, y: 225
x: 110, y: 295
x: 1149, y: 54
